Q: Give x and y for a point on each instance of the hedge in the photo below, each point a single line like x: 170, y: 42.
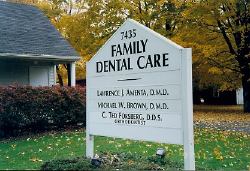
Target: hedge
x: 25, y: 109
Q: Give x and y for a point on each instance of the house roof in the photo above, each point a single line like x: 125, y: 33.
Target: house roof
x: 26, y: 31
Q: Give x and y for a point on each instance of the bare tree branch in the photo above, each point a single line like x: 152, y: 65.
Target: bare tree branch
x: 229, y: 44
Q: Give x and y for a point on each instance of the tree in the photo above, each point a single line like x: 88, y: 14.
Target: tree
x: 94, y: 21
x: 31, y: 2
x: 55, y: 10
x: 226, y: 21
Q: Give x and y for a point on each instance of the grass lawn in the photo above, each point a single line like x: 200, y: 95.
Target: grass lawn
x: 214, y: 149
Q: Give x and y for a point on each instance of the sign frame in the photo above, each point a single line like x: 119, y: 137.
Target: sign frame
x: 186, y: 102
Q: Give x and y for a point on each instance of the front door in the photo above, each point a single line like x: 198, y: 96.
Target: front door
x: 39, y: 76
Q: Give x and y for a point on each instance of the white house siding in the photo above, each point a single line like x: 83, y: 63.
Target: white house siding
x: 11, y: 73
x: 42, y: 75
x: 27, y: 74
x: 39, y: 76
x: 239, y: 96
x: 52, y: 73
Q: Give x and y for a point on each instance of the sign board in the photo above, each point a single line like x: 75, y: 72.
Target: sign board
x: 139, y: 86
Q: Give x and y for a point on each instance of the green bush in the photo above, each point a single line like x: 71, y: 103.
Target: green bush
x: 25, y: 109
x: 123, y: 161
x: 68, y: 164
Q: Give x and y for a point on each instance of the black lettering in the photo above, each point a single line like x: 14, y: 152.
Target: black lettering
x: 165, y: 59
x: 152, y: 106
x: 118, y: 64
x: 127, y: 49
x: 149, y: 62
x: 106, y: 66
x: 129, y: 64
x: 111, y: 66
x: 144, y: 45
x: 113, y: 50
x: 134, y: 47
x: 157, y: 60
x: 103, y: 116
x: 124, y: 64
x: 118, y: 50
x: 138, y: 47
x: 99, y: 67
x: 138, y: 62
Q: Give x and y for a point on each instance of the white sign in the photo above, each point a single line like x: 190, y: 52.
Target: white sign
x: 139, y: 86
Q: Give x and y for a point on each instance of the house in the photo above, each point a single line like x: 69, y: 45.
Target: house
x: 212, y: 96
x: 239, y: 96
x: 31, y: 47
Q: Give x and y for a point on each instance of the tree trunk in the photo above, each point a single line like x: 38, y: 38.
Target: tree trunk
x: 59, y: 76
x: 69, y: 74
x: 246, y: 92
x: 244, y: 64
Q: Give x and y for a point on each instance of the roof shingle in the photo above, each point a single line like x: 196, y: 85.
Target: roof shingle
x: 24, y: 29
